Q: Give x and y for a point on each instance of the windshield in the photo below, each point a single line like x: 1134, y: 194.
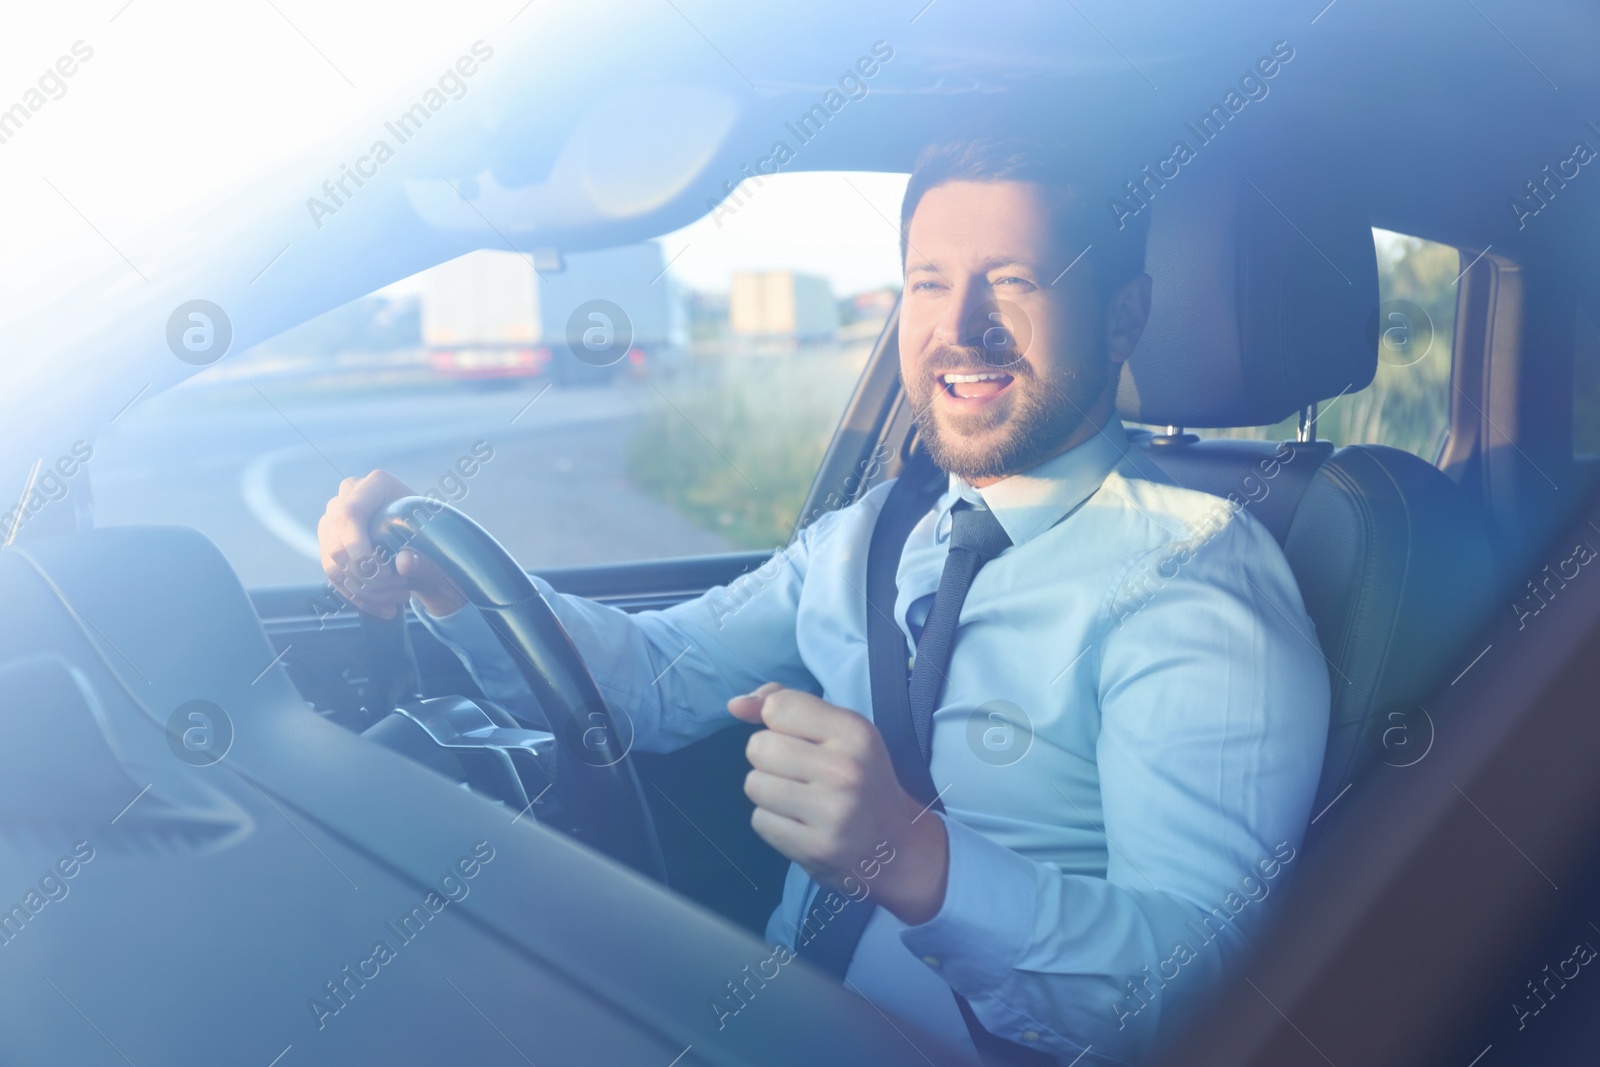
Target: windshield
x: 670, y: 398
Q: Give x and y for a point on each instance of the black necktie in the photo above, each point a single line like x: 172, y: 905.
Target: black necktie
x: 976, y: 537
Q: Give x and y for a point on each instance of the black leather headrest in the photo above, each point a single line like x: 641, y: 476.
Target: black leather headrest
x: 1258, y: 307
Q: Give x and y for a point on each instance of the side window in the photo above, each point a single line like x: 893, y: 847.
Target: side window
x: 1407, y: 406
x: 785, y: 309
x: 668, y: 398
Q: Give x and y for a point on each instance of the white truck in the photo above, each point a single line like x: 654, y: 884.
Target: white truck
x: 490, y: 316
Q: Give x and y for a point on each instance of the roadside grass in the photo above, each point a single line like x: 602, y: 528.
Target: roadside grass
x: 734, y: 443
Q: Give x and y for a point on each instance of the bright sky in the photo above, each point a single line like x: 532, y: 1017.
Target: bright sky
x: 181, y: 97
x: 842, y: 226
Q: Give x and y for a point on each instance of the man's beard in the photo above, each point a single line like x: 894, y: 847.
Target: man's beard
x: 1038, y: 417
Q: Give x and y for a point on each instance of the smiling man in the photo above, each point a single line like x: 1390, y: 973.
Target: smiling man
x: 1005, y: 360
x: 1114, y: 723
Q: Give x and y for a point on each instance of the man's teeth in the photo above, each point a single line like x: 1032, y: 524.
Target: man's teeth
x: 961, y: 379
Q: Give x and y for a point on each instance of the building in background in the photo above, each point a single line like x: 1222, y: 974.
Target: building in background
x: 873, y: 305
x: 708, y: 314
x: 489, y: 315
x: 781, y: 304
x: 863, y: 316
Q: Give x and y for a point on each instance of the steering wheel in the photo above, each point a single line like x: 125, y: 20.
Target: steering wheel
x: 602, y: 803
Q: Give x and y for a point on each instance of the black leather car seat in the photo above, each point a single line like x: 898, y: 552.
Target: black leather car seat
x: 1256, y: 317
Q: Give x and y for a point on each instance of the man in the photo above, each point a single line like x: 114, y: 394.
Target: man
x: 1127, y: 735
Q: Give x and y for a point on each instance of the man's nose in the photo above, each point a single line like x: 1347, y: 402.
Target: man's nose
x: 959, y: 323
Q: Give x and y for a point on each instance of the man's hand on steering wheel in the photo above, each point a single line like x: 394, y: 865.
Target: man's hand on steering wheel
x: 362, y: 573
x: 453, y: 561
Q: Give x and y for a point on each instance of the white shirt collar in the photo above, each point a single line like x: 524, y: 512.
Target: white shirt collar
x: 1030, y: 502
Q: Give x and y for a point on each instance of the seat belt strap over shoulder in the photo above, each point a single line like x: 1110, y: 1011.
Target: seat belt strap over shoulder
x: 916, y: 491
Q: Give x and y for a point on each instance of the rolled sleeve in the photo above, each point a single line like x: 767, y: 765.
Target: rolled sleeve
x: 467, y: 633
x: 671, y: 671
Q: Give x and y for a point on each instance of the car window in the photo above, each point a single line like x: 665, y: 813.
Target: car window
x: 1407, y: 405
x: 668, y: 398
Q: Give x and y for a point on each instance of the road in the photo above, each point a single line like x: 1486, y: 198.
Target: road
x: 252, y: 464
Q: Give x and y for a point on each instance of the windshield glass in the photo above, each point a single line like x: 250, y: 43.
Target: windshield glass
x: 671, y: 398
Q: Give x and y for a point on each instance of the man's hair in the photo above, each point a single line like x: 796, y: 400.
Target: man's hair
x: 1117, y: 255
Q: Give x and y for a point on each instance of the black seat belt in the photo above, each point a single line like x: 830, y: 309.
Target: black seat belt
x: 916, y: 491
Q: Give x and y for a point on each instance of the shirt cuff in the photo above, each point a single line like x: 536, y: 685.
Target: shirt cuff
x: 457, y: 625
x: 986, y: 920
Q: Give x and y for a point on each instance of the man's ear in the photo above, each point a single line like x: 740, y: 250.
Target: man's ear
x: 1126, y: 313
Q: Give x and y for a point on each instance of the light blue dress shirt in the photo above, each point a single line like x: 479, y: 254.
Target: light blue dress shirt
x: 1127, y: 746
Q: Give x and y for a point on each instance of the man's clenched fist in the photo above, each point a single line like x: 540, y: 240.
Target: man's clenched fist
x: 826, y: 796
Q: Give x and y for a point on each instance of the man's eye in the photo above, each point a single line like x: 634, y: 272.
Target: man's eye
x: 924, y: 286
x: 1012, y: 281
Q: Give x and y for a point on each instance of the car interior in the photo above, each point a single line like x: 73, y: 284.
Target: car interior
x: 1456, y: 793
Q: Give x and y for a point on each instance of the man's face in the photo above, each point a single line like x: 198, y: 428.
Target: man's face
x: 1003, y: 368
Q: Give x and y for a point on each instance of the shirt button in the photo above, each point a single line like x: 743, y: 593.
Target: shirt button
x: 1030, y: 1035
x: 931, y: 961
x: 911, y: 663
